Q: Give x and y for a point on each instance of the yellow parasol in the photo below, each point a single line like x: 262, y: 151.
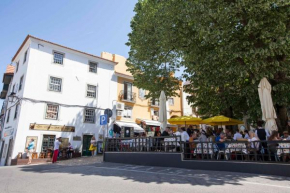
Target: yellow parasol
x: 221, y: 120
x: 185, y: 120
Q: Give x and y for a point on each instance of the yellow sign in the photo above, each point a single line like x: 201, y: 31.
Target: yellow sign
x: 62, y: 128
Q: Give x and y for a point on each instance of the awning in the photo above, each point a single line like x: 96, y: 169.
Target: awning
x: 136, y: 127
x: 150, y: 122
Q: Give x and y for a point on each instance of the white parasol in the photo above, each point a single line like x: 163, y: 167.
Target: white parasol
x: 162, y: 111
x: 268, y: 111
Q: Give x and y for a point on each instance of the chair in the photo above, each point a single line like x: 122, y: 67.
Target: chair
x: 42, y: 155
x: 222, y: 152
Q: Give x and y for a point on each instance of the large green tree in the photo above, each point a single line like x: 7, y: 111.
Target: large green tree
x: 226, y: 47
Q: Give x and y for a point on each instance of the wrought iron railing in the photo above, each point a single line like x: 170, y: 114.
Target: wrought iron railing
x: 127, y: 96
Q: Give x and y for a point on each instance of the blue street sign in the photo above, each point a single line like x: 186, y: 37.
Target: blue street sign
x: 103, y: 120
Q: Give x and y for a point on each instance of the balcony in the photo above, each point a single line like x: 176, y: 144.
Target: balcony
x: 127, y: 96
x: 154, y: 103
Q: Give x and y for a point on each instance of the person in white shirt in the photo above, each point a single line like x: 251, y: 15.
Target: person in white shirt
x: 237, y: 135
x: 56, y: 149
x: 185, y: 140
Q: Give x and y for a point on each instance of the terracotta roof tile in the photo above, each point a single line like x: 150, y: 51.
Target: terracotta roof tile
x: 9, y: 69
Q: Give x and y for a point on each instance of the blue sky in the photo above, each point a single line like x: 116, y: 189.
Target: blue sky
x: 91, y: 26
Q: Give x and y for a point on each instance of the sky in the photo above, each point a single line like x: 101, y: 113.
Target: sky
x: 91, y: 26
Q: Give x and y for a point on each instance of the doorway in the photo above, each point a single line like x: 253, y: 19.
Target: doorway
x: 47, y: 143
x: 86, y: 145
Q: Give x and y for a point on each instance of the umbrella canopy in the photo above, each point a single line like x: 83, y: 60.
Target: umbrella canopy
x: 221, y: 120
x: 268, y: 111
x: 162, y: 111
x: 185, y: 120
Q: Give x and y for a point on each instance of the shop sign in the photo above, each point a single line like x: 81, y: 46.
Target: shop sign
x: 43, y: 127
x: 77, y: 138
x: 8, y: 132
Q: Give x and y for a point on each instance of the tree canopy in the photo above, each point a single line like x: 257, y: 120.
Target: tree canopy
x: 226, y: 47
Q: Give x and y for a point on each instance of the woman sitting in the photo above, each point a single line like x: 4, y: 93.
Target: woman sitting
x: 272, y: 145
x: 254, y: 146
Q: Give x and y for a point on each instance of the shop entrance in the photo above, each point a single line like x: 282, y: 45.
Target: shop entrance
x: 86, y: 145
x: 47, y: 143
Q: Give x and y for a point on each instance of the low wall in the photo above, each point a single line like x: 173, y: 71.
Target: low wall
x: 175, y: 160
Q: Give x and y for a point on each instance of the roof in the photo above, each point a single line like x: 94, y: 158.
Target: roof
x: 9, y: 69
x: 29, y: 36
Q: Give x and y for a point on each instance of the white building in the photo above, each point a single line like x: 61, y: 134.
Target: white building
x: 61, y: 93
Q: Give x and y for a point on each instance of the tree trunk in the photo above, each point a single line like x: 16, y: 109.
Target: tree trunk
x: 282, y: 119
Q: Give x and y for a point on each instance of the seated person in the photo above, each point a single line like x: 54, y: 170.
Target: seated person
x: 237, y: 135
x: 221, y: 139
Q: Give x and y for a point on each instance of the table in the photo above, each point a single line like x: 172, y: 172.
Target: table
x: 236, y: 147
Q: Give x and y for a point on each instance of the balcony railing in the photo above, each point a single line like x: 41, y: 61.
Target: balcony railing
x: 127, y: 96
x: 154, y: 103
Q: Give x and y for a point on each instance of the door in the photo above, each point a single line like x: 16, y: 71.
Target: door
x: 47, y: 143
x: 9, y: 153
x: 86, y: 145
x: 128, y: 91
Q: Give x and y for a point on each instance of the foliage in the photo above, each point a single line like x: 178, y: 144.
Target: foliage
x: 226, y: 46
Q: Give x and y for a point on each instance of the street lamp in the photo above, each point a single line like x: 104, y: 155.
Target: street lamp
x: 11, y: 97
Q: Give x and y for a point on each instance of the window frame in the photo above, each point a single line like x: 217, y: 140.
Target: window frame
x: 171, y: 104
x: 21, y: 83
x: 8, y: 116
x: 25, y: 56
x: 129, y: 98
x: 49, y: 79
x: 96, y: 63
x: 46, y: 110
x: 57, y: 52
x: 91, y: 91
x: 131, y: 108
x: 94, y: 116
x: 16, y: 111
x: 17, y: 66
x: 13, y: 88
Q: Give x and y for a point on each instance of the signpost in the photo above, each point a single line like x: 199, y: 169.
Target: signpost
x: 105, y: 120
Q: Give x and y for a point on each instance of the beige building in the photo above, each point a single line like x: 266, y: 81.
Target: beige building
x: 137, y: 109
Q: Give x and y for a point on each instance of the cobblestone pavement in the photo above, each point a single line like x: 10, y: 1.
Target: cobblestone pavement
x: 81, y: 161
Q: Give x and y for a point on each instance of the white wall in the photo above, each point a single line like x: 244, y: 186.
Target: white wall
x: 187, y: 109
x: 75, y: 77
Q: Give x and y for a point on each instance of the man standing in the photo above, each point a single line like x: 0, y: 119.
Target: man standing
x: 56, y: 148
x: 263, y: 135
x: 185, y: 140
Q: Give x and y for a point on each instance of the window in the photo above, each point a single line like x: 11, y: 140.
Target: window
x: 142, y: 93
x: 17, y: 66
x: 51, y: 111
x: 13, y: 88
x: 58, y: 57
x: 155, y: 102
x: 89, y: 115
x: 127, y: 113
x: 20, y: 83
x: 16, y: 111
x: 55, y: 84
x: 128, y: 95
x: 8, y: 116
x: 25, y: 57
x: 171, y: 101
x: 91, y: 91
x: 93, y: 67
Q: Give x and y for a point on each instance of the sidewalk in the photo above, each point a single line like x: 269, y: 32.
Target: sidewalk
x: 81, y: 161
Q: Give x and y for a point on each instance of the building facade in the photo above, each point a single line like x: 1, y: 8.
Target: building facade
x: 59, y: 92
x: 137, y: 111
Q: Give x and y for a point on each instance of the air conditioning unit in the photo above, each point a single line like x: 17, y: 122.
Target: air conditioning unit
x: 119, y: 113
x: 120, y: 106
